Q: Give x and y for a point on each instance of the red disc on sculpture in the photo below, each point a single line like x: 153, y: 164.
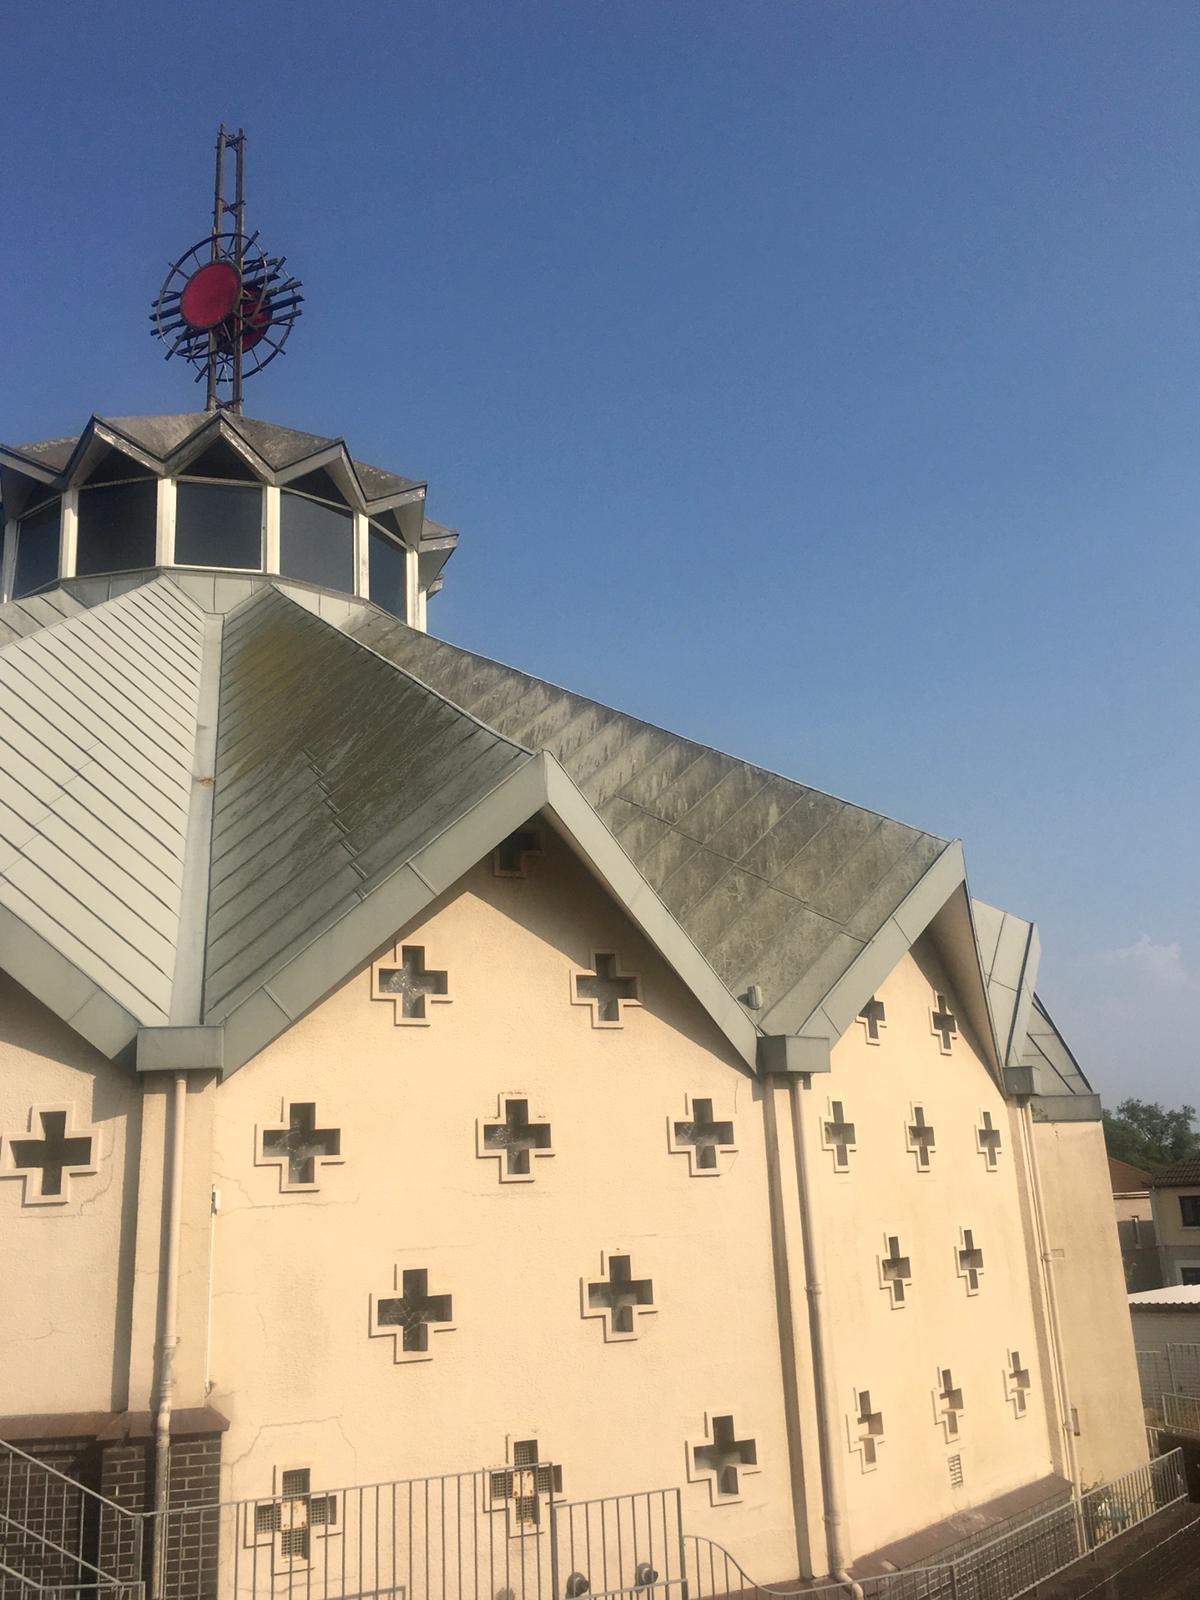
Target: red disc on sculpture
x: 210, y: 295
x: 256, y: 319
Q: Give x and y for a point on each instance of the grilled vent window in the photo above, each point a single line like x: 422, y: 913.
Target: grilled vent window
x: 218, y: 525
x: 37, y: 550
x: 116, y: 527
x: 294, y: 1542
x: 296, y: 1483
x: 267, y: 1517
x: 316, y: 542
x: 956, y: 1472
x: 388, y: 574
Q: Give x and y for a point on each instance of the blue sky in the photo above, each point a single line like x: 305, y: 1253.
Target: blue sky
x: 819, y: 380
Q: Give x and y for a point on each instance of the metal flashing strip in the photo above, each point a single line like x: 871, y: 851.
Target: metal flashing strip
x: 1066, y: 1107
x: 187, y: 989
x: 181, y: 1048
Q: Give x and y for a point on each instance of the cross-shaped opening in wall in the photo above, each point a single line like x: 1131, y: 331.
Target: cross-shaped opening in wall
x: 411, y: 984
x: 619, y: 1298
x: 950, y: 1403
x: 1017, y: 1377
x: 870, y: 1428
x: 521, y: 1487
x: 989, y: 1141
x: 895, y: 1271
x: 920, y: 1138
x: 725, y: 1458
x: 703, y: 1137
x: 873, y: 1017
x: 511, y: 856
x: 414, y: 1310
x: 839, y: 1136
x: 606, y: 989
x: 945, y: 1026
x: 298, y: 1147
x: 289, y: 1520
x: 970, y: 1261
x: 49, y: 1163
x: 517, y: 1138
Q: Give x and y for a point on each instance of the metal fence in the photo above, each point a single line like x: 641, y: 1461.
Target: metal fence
x: 462, y: 1536
x: 1175, y: 1369
x: 1181, y: 1412
x: 502, y: 1533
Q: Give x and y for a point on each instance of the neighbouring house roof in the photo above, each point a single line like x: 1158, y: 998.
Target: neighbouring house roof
x: 1180, y: 1174
x: 1175, y: 1297
x: 153, y: 873
x: 1126, y: 1178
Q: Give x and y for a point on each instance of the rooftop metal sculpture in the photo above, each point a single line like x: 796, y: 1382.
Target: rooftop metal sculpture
x: 225, y: 305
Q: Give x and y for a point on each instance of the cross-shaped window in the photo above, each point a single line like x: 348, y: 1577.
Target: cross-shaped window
x: 873, y: 1017
x: 989, y: 1141
x: 49, y: 1155
x: 919, y: 1137
x: 289, y: 1520
x: 606, y: 989
x: 408, y: 1315
x: 404, y: 979
x: 970, y: 1261
x: 722, y: 1460
x: 945, y: 1026
x: 521, y: 1487
x: 948, y: 1403
x: 297, y: 1145
x: 838, y: 1135
x: 510, y: 858
x: 514, y: 1139
x: 1016, y: 1380
x: 703, y: 1138
x: 895, y: 1271
x: 866, y: 1429
x: 618, y: 1297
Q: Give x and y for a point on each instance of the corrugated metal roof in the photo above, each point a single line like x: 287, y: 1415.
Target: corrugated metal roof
x: 333, y: 767
x: 97, y: 731
x: 1183, y: 1296
x: 776, y: 883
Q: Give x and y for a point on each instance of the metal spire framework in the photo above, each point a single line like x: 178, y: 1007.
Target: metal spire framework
x: 226, y: 306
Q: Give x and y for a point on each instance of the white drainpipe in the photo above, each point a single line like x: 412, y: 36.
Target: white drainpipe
x: 827, y: 1416
x: 165, y: 1385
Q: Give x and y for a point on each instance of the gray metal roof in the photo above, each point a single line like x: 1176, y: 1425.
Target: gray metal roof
x: 220, y: 794
x: 776, y: 883
x: 161, y: 437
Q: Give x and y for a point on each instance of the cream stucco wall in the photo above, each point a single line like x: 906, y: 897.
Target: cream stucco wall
x: 896, y: 1352
x: 66, y: 1268
x: 1097, y: 1340
x: 293, y: 1362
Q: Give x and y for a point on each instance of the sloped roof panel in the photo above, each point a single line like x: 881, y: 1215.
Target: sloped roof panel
x: 96, y: 748
x: 769, y: 877
x: 1056, y: 1071
x: 333, y: 767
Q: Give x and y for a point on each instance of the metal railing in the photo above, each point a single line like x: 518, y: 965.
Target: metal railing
x: 75, y: 1540
x: 1002, y: 1569
x: 1181, y: 1411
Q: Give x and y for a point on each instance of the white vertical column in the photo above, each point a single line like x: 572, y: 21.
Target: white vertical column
x: 164, y: 524
x: 271, y: 529
x: 68, y: 538
x: 362, y: 556
x: 412, y: 587
x: 8, y: 566
x: 422, y: 601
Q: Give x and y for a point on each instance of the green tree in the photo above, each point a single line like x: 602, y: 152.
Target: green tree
x: 1148, y: 1135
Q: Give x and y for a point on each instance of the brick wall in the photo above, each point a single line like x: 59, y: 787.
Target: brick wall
x: 118, y: 1463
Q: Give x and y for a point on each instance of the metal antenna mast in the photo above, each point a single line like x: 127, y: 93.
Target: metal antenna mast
x: 226, y: 142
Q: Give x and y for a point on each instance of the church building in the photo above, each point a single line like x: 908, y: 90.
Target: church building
x: 437, y: 1109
